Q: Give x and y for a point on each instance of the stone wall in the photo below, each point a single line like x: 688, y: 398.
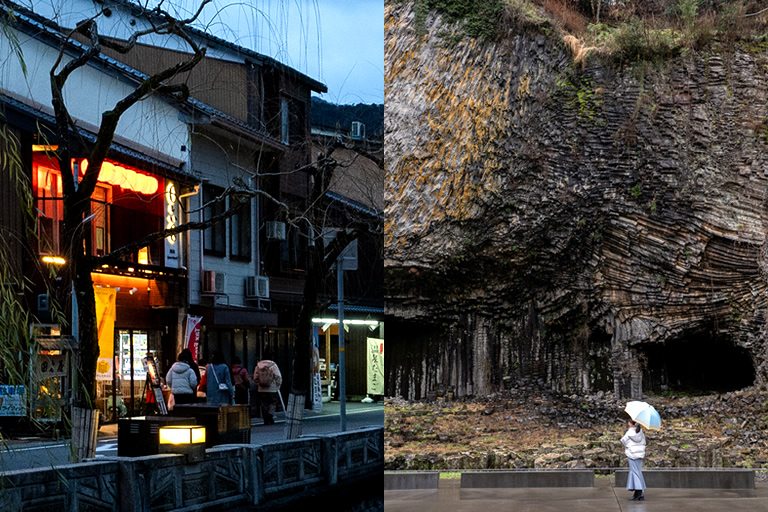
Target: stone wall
x: 231, y: 477
x: 554, y: 222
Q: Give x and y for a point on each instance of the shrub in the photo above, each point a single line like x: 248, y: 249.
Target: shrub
x: 636, y: 42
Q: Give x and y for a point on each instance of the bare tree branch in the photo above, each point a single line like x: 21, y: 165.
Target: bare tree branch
x: 239, y: 196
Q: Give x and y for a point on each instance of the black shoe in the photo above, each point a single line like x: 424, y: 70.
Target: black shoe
x: 635, y: 496
x: 641, y: 497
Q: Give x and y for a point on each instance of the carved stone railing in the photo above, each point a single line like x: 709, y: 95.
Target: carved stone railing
x: 237, y: 477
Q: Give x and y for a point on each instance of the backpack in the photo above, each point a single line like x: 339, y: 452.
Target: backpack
x: 265, y: 375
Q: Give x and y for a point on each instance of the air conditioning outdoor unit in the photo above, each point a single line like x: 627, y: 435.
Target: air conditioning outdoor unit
x: 209, y: 281
x: 275, y: 230
x: 257, y: 287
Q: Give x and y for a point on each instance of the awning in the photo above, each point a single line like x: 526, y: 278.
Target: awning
x: 235, y: 317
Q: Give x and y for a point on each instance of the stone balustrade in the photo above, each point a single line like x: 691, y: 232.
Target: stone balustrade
x: 235, y: 477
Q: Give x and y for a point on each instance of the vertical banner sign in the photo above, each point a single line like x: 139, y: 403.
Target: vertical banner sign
x: 193, y: 334
x: 375, y: 366
x: 172, y: 245
x: 105, y: 320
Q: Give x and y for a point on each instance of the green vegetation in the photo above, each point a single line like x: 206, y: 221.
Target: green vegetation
x: 341, y: 116
x: 479, y: 18
x: 627, y: 30
x: 581, y: 96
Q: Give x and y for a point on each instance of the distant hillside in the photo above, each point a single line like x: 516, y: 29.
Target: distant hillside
x: 330, y: 115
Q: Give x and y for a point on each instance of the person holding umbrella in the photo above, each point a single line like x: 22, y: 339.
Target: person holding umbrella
x: 634, y: 441
x: 640, y: 413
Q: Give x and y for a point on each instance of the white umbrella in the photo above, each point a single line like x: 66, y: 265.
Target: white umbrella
x: 644, y: 414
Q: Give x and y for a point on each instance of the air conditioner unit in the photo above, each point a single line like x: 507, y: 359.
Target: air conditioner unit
x: 209, y: 281
x: 358, y: 130
x: 257, y: 287
x: 275, y: 230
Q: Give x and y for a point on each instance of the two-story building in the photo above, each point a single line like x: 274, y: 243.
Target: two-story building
x: 169, y: 163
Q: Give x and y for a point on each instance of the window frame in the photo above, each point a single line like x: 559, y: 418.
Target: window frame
x: 240, y: 231
x: 215, y: 236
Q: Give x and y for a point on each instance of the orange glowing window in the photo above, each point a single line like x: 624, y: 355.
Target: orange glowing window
x: 122, y: 176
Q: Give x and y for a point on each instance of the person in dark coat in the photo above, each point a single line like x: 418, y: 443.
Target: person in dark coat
x: 241, y: 381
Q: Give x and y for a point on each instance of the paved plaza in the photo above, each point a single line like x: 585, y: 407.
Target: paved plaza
x: 603, y: 497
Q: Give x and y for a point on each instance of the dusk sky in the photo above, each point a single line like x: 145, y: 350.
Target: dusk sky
x: 339, y: 43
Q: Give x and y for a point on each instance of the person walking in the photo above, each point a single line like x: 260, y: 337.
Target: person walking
x: 186, y: 356
x: 241, y: 380
x: 634, y: 441
x: 219, y: 389
x: 268, y: 378
x: 182, y: 381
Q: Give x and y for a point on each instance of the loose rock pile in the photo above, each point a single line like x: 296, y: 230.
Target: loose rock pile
x: 530, y: 428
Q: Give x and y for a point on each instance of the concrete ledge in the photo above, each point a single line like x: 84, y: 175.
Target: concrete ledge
x: 705, y: 478
x: 410, y: 481
x: 517, y: 479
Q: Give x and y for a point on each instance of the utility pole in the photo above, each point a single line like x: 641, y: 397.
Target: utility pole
x: 342, y: 354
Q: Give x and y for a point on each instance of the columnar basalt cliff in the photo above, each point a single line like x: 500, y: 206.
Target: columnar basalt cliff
x: 592, y: 228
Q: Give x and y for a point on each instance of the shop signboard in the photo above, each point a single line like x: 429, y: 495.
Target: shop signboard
x: 172, y: 245
x: 12, y: 401
x: 52, y: 365
x: 375, y: 366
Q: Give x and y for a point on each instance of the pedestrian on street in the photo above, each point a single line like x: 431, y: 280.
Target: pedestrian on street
x: 182, y: 381
x: 634, y: 441
x: 186, y: 356
x: 241, y: 380
x: 267, y: 376
x: 219, y: 388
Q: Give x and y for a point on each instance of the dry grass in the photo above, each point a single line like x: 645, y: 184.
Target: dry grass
x: 577, y: 49
x: 566, y: 17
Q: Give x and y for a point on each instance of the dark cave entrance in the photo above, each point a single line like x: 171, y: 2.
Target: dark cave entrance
x: 696, y: 364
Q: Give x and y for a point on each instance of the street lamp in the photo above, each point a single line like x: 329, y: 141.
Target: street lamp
x: 183, y: 439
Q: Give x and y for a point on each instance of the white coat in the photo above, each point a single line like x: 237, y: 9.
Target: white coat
x: 181, y: 379
x: 635, y: 444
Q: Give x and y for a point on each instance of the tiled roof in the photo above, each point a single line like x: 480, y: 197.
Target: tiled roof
x: 354, y: 204
x: 46, y: 29
x: 116, y: 147
x: 258, y: 57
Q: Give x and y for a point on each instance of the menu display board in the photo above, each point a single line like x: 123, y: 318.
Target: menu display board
x: 139, y: 353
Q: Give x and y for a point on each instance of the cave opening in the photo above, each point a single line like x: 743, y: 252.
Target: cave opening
x: 696, y: 364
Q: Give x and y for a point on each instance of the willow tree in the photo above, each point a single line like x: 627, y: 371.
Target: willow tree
x: 77, y: 194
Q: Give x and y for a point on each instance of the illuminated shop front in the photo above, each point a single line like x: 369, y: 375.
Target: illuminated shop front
x: 139, y: 297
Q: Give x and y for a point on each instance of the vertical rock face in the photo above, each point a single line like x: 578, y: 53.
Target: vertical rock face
x: 594, y: 228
